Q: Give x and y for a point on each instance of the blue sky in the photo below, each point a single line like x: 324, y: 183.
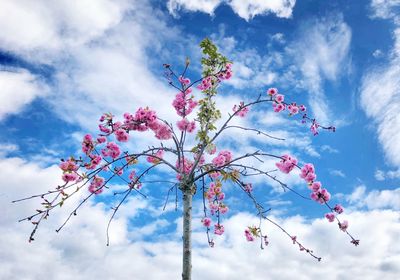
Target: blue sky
x: 63, y: 64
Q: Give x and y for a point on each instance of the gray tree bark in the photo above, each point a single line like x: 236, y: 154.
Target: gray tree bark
x: 187, y: 232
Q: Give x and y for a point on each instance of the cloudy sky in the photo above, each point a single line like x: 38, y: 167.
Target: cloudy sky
x: 64, y: 63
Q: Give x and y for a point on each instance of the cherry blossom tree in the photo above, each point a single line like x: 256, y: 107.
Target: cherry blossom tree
x: 201, y: 169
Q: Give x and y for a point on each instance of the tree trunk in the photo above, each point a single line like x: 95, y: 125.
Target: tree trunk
x: 187, y: 233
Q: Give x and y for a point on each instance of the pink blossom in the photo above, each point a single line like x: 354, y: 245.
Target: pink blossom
x: 321, y: 196
x: 104, y: 129
x: 134, y: 181
x: 279, y: 98
x: 87, y: 144
x: 101, y: 139
x: 330, y: 217
x: 186, y: 125
x: 155, y: 160
x: 69, y: 165
x: 96, y: 186
x: 286, y: 164
x: 302, y: 108
x: 219, y: 229
x: 163, y: 132
x: 95, y: 160
x: 315, y: 186
x: 184, y: 81
x: 206, y: 222
x: 221, y: 196
x: 278, y: 107
x: 218, y: 161
x: 248, y: 234
x: 272, y: 91
x: 121, y: 135
x: 205, y: 84
x: 338, y: 209
x: 183, y: 105
x: 69, y: 177
x: 223, y: 158
x: 248, y: 188
x: 111, y: 150
x: 223, y: 209
x: 293, y: 109
x: 314, y: 127
x: 308, y: 172
x: 184, y: 166
x: 214, y: 175
x: 344, y: 225
x: 240, y: 110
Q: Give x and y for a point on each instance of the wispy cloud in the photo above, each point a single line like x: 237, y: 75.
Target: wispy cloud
x: 246, y: 9
x: 375, y: 199
x: 18, y: 88
x: 381, y: 100
x: 321, y: 53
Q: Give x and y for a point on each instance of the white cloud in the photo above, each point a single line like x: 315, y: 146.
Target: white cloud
x: 329, y: 149
x: 375, y: 199
x: 246, y: 9
x: 382, y: 175
x: 39, y: 29
x: 336, y: 172
x: 321, y: 52
x: 385, y: 8
x: 18, y: 88
x: 380, y: 102
x: 377, y: 53
x: 7, y: 148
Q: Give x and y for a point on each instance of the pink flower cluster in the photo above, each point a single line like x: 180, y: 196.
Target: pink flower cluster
x: 308, y: 173
x: 69, y: 169
x: 94, y: 162
x: 206, y: 222
x: 227, y: 73
x: 154, y: 160
x: 279, y: 105
x: 314, y: 127
x: 121, y: 135
x: 184, y: 166
x: 205, y: 84
x: 215, y: 197
x: 134, y: 181
x: 111, y: 150
x: 186, y: 125
x: 240, y: 110
x: 331, y: 216
x: 248, y: 188
x: 223, y: 158
x: 87, y: 144
x: 96, y: 186
x: 184, y: 81
x: 344, y: 225
x: 286, y: 164
x: 69, y: 165
x: 318, y: 193
x: 249, y: 235
x: 219, y: 229
x: 183, y: 103
x: 70, y: 177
